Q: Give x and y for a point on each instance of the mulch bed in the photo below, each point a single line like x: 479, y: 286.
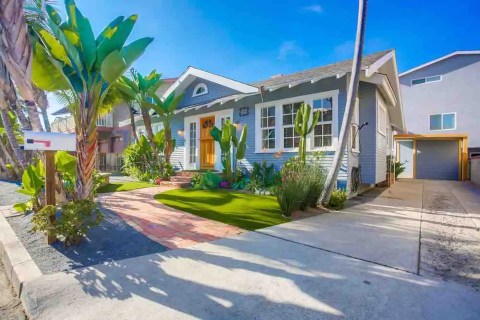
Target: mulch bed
x: 113, y: 240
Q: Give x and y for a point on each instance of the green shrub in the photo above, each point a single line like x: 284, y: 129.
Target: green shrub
x: 301, y: 185
x: 76, y: 218
x: 396, y: 167
x: 263, y: 178
x: 337, y: 199
x: 32, y: 185
x: 206, y: 181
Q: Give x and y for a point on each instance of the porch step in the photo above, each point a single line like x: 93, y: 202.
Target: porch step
x: 175, y: 184
x: 180, y: 179
x: 191, y: 173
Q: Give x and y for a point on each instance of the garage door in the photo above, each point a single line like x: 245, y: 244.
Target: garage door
x: 437, y: 160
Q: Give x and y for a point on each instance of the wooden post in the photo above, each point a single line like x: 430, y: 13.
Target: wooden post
x: 50, y: 186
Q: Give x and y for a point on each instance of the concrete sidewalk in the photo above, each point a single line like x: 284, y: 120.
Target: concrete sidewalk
x: 362, y: 263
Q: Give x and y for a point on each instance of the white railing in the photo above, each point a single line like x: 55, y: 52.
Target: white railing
x: 105, y: 121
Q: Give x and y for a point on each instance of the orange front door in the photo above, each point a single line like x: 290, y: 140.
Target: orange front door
x: 207, y: 144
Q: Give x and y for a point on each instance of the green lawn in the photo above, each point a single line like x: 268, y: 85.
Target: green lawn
x: 123, y: 186
x: 246, y: 211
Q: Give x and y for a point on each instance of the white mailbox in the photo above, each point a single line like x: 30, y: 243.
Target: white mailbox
x: 53, y: 141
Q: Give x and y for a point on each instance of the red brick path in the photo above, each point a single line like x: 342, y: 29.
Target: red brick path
x: 169, y: 227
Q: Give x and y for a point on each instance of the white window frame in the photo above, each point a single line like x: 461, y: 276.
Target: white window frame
x: 261, y: 129
x: 279, y: 122
x: 198, y: 86
x: 427, y: 80
x: 381, y: 127
x: 354, y: 132
x: 442, y: 114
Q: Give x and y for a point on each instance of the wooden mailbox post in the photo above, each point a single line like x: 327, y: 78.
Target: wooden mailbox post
x: 49, y: 143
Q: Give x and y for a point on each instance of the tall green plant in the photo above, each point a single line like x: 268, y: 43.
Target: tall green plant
x: 71, y: 58
x: 165, y: 109
x: 227, y: 139
x: 140, y: 89
x: 303, y: 128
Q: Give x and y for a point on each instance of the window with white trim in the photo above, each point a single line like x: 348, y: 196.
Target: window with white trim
x: 193, y: 142
x: 354, y: 132
x: 443, y: 121
x: 290, y: 138
x: 267, y: 125
x: 381, y: 119
x: 200, y: 89
x: 323, y: 131
x: 426, y: 80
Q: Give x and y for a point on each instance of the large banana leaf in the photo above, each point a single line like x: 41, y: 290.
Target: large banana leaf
x: 45, y: 74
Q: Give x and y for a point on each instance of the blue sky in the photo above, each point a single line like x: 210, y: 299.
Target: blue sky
x: 252, y: 40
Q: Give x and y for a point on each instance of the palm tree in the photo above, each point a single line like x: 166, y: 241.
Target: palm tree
x: 350, y: 104
x: 71, y: 59
x: 165, y: 109
x: 9, y: 128
x: 16, y: 53
x: 141, y: 90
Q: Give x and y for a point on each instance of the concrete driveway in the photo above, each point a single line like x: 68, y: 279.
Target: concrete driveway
x: 366, y: 262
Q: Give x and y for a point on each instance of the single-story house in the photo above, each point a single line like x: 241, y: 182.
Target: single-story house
x: 268, y: 110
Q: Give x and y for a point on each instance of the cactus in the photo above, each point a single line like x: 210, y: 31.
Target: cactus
x: 302, y: 128
x: 226, y: 138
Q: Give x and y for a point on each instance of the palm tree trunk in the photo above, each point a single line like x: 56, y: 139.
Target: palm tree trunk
x: 86, y: 150
x: 11, y: 137
x: 26, y: 125
x: 15, y: 47
x: 350, y: 105
x: 168, y: 143
x: 148, y: 124
x: 9, y: 158
x: 132, y: 121
x: 33, y: 115
x: 42, y: 102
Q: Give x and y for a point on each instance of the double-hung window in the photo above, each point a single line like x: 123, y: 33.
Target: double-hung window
x: 322, y: 133
x: 443, y: 121
x: 193, y: 142
x: 290, y: 138
x: 267, y: 126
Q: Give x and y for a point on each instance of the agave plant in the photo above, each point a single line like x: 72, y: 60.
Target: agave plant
x: 227, y: 139
x: 303, y: 128
x: 71, y: 58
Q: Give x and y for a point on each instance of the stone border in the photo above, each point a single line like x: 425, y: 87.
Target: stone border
x: 19, y: 265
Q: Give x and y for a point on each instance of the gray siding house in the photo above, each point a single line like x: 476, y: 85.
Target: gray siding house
x: 443, y: 96
x: 268, y: 109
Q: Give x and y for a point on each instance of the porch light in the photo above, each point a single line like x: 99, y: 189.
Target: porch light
x: 237, y: 124
x: 181, y: 132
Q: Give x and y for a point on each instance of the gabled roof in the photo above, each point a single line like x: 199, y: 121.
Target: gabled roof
x: 192, y: 73
x: 448, y: 56
x: 315, y: 74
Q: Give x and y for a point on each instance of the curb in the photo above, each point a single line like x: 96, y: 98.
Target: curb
x: 18, y: 263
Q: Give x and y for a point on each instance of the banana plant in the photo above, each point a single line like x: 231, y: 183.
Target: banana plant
x: 303, y: 128
x: 69, y: 57
x: 227, y: 139
x: 165, y: 109
x: 141, y: 89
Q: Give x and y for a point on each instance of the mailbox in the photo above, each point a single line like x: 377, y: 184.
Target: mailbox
x: 52, y: 141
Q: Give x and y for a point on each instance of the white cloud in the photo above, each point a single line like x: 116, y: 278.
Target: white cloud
x: 316, y: 8
x: 289, y: 48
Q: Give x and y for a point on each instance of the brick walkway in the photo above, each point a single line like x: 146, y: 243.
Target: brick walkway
x: 169, y: 227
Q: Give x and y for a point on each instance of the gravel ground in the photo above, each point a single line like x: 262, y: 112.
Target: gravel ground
x: 113, y: 240
x: 450, y: 241
x: 8, y: 194
x: 10, y: 306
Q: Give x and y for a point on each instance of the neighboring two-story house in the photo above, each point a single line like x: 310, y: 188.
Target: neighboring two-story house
x: 441, y: 102
x: 268, y: 108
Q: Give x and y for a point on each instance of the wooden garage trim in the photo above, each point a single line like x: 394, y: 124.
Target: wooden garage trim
x: 462, y: 149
